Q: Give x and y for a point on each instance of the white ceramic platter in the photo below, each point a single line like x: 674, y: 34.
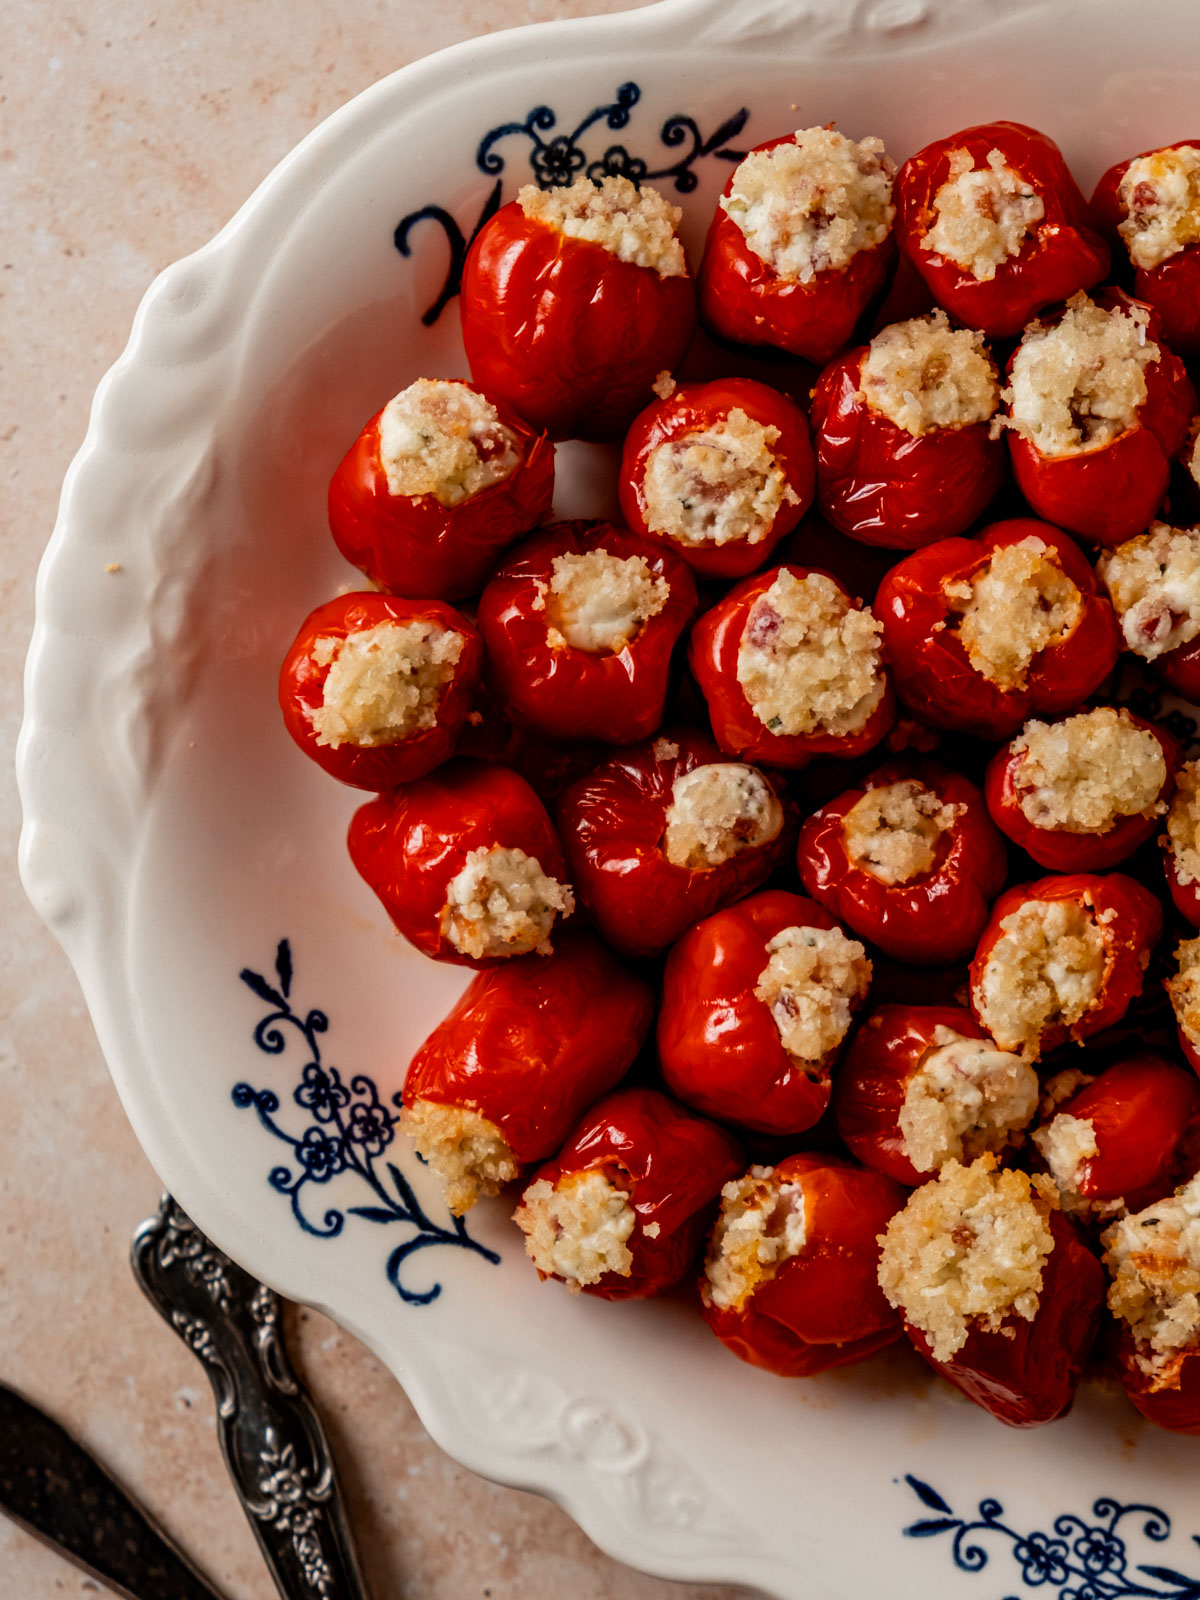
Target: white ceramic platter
x: 174, y: 837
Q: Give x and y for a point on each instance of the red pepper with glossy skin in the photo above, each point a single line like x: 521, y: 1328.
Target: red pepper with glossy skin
x: 1060, y: 849
x: 563, y: 330
x: 1063, y: 254
x: 885, y: 486
x: 1179, y: 669
x: 547, y: 765
x: 302, y: 690
x: 718, y: 1044
x: 934, y: 675
x: 1026, y: 1373
x: 1176, y: 1404
x: 544, y: 682
x: 823, y: 1307
x: 1173, y: 286
x: 699, y: 408
x: 531, y: 1045
x: 713, y: 655
x: 612, y: 825
x: 411, y: 844
x: 413, y: 544
x: 934, y: 918
x: 743, y: 298
x: 1130, y: 920
x: 1110, y: 492
x: 670, y: 1163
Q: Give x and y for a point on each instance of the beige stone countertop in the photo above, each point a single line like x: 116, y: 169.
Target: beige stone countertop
x: 129, y: 132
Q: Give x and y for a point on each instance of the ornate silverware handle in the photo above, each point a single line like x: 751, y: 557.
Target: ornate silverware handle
x: 271, y: 1436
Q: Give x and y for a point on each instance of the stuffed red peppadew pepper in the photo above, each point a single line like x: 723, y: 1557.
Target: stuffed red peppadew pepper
x: 801, y: 243
x: 1097, y: 408
x: 466, y: 863
x: 905, y: 450
x: 1062, y: 958
x: 757, y: 1001
x: 573, y: 300
x: 376, y: 689
x: 790, y: 1283
x: 1153, y: 582
x: 1183, y: 990
x: 1008, y: 1309
x: 435, y: 486
x: 1181, y: 843
x: 923, y: 1085
x: 995, y: 224
x: 909, y: 859
x: 623, y: 1209
x: 579, y: 625
x: 530, y: 1046
x: 720, y: 472
x: 981, y: 633
x: 790, y: 667
x: 1150, y: 207
x: 1082, y: 794
x: 667, y: 832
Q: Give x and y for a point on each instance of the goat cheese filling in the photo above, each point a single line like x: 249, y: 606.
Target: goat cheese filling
x: 1083, y: 775
x: 717, y: 811
x: 762, y: 1224
x: 598, y: 602
x: 983, y: 216
x: 966, y: 1097
x: 1046, y: 970
x: 717, y: 486
x: 384, y: 683
x: 635, y: 225
x: 1184, y: 990
x: 446, y: 440
x: 895, y: 831
x: 1160, y: 194
x: 1183, y: 824
x: 577, y: 1228
x: 1019, y: 603
x: 501, y: 903
x: 812, y: 981
x: 469, y: 1153
x: 1153, y: 581
x: 1154, y: 1259
x: 925, y: 375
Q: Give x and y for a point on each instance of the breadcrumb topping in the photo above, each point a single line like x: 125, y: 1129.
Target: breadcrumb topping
x: 984, y: 215
x: 809, y: 660
x: 718, y: 810
x: 968, y: 1251
x: 501, y: 903
x: 1017, y: 605
x: 1077, y: 384
x: 469, y: 1153
x: 1065, y: 1143
x: 1153, y: 581
x: 895, y: 831
x: 1154, y: 1258
x: 1184, y: 990
x: 1058, y: 1089
x: 635, y: 225
x: 926, y: 375
x: 598, y: 602
x: 384, y: 683
x: 762, y: 1224
x: 444, y: 439
x: 577, y: 1229
x: 1183, y: 823
x: 718, y: 484
x: 1082, y: 775
x: 810, y: 985
x: 1045, y: 970
x: 966, y: 1098
x: 811, y: 206
x: 1160, y: 194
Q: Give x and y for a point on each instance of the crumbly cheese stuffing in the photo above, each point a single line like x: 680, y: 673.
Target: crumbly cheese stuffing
x: 635, y: 225
x: 1184, y: 990
x: 809, y: 659
x: 1154, y: 1259
x: 762, y: 1224
x: 983, y: 215
x: 1183, y: 823
x: 811, y: 206
x: 1160, y: 194
x: 717, y: 485
x: 599, y: 602
x: 384, y: 683
x: 811, y: 983
x: 968, y: 1251
x: 925, y: 375
x: 1058, y: 1089
x: 1018, y: 604
x: 501, y: 903
x: 469, y: 1153
x: 1046, y: 969
x: 1065, y: 1144
x: 895, y: 831
x: 718, y: 810
x: 965, y: 1098
x: 444, y: 439
x: 1153, y: 581
x: 578, y: 1228
x: 1084, y: 774
x: 1077, y: 384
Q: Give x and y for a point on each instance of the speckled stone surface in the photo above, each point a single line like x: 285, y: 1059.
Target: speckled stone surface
x: 129, y: 132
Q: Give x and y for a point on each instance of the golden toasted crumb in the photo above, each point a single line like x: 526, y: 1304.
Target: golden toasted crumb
x: 635, y: 225
x: 810, y: 985
x: 1018, y: 604
x: 577, y: 1228
x: 1086, y: 773
x: 1154, y: 1258
x: 925, y: 375
x: 895, y: 831
x: 469, y: 1153
x: 763, y: 1223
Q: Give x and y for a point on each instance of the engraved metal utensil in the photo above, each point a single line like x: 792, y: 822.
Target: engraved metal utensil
x: 271, y: 1436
